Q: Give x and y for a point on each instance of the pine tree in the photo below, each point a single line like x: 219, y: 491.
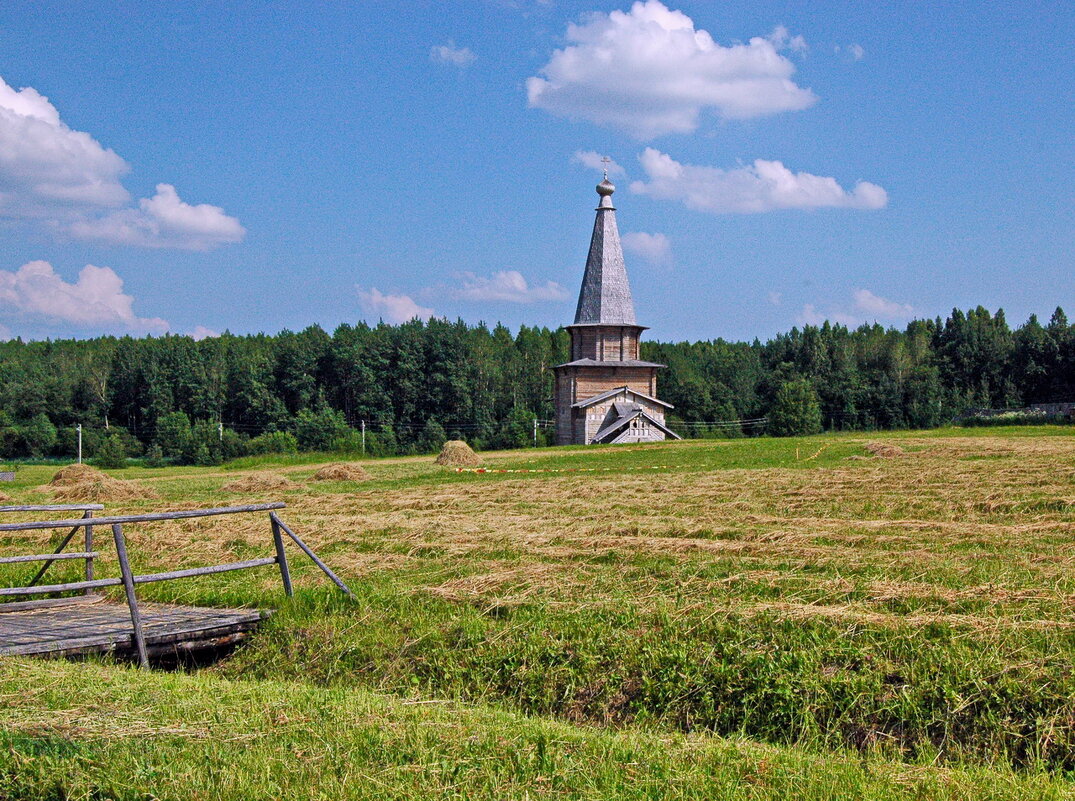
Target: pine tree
x: 796, y: 411
x: 112, y: 455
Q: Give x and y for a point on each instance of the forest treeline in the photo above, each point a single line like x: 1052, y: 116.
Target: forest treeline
x: 412, y: 385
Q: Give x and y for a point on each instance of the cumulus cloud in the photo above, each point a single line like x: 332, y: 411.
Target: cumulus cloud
x: 35, y: 296
x: 761, y: 186
x: 69, y: 182
x: 592, y: 159
x: 866, y: 307
x: 881, y: 308
x: 164, y: 221
x: 45, y: 167
x: 507, y: 286
x: 653, y: 248
x: 200, y: 332
x: 650, y: 72
x: 450, y: 54
x: 391, y: 308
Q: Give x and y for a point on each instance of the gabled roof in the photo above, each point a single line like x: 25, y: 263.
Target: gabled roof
x: 595, y: 363
x: 624, y: 419
x: 605, y: 297
x: 582, y: 404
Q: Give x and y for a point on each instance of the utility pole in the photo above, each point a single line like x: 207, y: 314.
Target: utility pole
x: 363, y: 437
x: 535, y: 432
x: 220, y: 430
x: 79, y: 427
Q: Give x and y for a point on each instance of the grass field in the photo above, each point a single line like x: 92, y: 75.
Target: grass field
x: 740, y: 618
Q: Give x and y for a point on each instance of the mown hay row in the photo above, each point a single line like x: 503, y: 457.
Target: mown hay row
x: 260, y: 482
x: 342, y: 472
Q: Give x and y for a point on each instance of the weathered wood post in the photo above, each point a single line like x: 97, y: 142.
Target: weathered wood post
x: 132, y: 599
x: 281, y: 557
x: 313, y: 557
x: 89, y: 551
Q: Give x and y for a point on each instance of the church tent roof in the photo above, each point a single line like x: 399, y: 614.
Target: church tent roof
x: 605, y: 297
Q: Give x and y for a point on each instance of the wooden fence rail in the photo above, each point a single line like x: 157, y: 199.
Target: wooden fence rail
x: 128, y: 579
x: 55, y: 507
x: 88, y: 553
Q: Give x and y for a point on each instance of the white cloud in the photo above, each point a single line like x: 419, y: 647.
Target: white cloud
x: 508, y: 286
x: 164, y: 221
x: 761, y: 186
x: 854, y: 50
x: 69, y: 182
x: 200, y: 332
x: 775, y: 298
x: 811, y: 316
x: 35, y: 295
x: 653, y: 248
x: 592, y: 159
x: 47, y: 169
x: 881, y: 308
x: 782, y: 39
x: 650, y: 72
x: 391, y: 308
x: 866, y: 308
x: 450, y: 54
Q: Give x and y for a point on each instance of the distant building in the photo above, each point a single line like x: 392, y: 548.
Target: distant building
x: 606, y: 394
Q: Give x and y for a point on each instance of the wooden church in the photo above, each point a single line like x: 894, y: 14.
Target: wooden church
x: 606, y: 393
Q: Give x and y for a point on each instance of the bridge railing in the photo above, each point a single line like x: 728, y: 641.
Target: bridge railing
x: 128, y: 579
x: 85, y: 524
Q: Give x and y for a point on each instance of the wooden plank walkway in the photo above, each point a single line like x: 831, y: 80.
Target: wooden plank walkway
x: 92, y: 624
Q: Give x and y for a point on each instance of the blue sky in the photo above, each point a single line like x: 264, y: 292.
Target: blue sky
x: 252, y: 168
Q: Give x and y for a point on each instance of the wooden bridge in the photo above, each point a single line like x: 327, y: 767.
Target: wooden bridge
x: 90, y: 623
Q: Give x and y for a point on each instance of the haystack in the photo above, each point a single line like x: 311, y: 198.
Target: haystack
x: 342, y: 472
x: 75, y: 474
x: 100, y: 488
x: 457, y: 453
x: 259, y: 482
x: 885, y: 451
x: 82, y: 483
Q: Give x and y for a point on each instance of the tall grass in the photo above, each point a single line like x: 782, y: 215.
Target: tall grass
x: 99, y: 732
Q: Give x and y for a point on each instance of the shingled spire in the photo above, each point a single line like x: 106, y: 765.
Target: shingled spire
x: 607, y: 393
x: 605, y: 297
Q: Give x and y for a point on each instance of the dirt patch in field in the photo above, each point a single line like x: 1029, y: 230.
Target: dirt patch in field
x: 5, y: 498
x: 342, y: 472
x: 457, y: 453
x: 259, y: 482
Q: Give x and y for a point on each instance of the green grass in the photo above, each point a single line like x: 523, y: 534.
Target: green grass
x: 755, y: 618
x: 90, y: 731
